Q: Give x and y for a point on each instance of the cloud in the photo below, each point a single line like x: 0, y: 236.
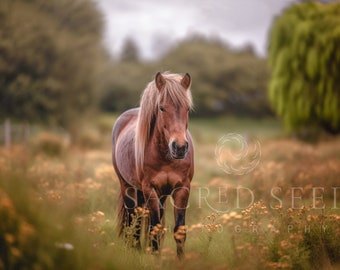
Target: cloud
x: 157, y: 25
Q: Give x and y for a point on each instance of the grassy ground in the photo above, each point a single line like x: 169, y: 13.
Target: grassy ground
x: 276, y: 206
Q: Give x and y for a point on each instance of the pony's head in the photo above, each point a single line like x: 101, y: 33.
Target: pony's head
x: 173, y: 105
x: 164, y: 108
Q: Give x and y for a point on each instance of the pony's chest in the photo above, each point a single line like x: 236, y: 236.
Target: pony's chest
x: 166, y: 181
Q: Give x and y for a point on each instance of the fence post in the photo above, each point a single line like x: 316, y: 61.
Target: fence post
x: 7, y: 130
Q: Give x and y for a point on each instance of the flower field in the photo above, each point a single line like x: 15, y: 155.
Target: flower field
x: 57, y: 207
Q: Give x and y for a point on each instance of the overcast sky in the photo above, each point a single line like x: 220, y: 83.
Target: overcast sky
x: 157, y: 25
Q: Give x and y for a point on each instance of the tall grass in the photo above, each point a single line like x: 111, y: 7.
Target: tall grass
x: 58, y: 211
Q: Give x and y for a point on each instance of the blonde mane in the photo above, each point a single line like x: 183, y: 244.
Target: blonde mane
x: 149, y: 105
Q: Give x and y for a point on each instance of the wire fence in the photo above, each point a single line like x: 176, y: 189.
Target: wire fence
x: 14, y: 133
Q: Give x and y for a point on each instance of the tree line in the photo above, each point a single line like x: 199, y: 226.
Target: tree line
x: 225, y: 81
x: 54, y: 69
x: 50, y: 56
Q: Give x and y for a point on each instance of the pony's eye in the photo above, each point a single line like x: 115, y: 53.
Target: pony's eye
x: 161, y: 109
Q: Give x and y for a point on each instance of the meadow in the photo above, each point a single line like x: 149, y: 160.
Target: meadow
x: 260, y: 199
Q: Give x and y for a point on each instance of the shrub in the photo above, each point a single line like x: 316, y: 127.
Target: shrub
x: 48, y: 143
x: 89, y: 138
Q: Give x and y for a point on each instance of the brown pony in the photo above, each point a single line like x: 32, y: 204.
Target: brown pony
x: 153, y: 156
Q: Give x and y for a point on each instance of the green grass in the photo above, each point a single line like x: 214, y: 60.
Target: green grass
x: 210, y: 129
x: 58, y: 211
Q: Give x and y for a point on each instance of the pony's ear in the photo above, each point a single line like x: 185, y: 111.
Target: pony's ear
x: 160, y: 81
x: 186, y: 81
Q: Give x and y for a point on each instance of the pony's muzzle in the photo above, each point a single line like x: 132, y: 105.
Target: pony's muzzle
x: 179, y: 151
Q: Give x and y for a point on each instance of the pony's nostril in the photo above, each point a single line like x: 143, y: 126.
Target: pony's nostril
x: 174, y: 146
x: 179, y: 150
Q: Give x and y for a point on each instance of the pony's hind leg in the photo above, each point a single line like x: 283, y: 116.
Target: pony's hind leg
x: 141, y: 217
x: 132, y: 218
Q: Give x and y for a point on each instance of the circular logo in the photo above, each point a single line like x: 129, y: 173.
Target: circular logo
x: 237, y: 154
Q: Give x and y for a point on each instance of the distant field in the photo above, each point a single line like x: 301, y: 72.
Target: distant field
x: 209, y: 129
x: 259, y: 200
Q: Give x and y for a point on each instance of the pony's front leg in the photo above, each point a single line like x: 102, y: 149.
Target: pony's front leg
x: 180, y: 198
x: 153, y: 204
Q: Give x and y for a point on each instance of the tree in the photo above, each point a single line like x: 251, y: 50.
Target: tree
x: 304, y: 55
x: 225, y: 81
x: 49, y: 55
x: 130, y: 51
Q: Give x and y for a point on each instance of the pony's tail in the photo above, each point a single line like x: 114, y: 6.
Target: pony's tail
x: 121, y: 211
